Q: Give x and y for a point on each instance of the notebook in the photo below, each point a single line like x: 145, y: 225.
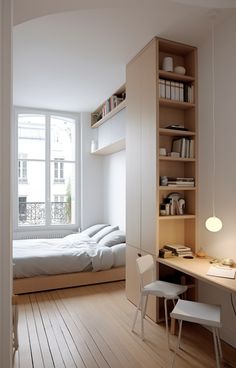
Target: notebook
x: 221, y: 272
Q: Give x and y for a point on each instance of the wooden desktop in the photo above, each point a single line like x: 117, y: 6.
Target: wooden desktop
x: 197, y: 268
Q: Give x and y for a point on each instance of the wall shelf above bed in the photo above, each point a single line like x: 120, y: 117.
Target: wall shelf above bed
x: 113, y: 147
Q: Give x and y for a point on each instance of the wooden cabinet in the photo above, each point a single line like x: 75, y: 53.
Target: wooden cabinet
x: 149, y: 117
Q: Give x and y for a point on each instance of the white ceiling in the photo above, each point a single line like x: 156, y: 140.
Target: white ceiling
x: 73, y: 60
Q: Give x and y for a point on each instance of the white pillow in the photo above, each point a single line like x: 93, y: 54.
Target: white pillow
x: 75, y: 237
x: 108, y: 229
x: 118, y: 251
x: 92, y: 230
x: 115, y: 237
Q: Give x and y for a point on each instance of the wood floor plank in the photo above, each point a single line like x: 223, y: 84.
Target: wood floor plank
x: 42, y: 335
x: 54, y: 348
x: 90, y: 327
x: 84, y: 332
x: 58, y: 333
x: 24, y: 351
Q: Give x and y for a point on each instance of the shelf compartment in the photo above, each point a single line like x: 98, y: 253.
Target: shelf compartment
x: 110, y: 114
x: 176, y: 104
x: 111, y: 148
x: 175, y: 76
x: 170, y: 188
x: 180, y: 159
x: 177, y: 217
x: 175, y: 132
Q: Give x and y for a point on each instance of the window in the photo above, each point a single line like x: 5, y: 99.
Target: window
x: 22, y: 208
x: 47, y: 162
x: 22, y: 171
x: 59, y: 171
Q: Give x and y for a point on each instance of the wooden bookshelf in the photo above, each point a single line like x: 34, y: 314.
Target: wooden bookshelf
x: 99, y: 116
x: 148, y: 116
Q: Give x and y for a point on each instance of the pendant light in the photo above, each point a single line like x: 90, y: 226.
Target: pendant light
x: 213, y: 223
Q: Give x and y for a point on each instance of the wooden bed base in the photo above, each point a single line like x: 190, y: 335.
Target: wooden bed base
x: 40, y: 283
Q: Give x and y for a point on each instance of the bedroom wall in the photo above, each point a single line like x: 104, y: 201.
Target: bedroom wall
x: 5, y: 193
x: 114, y: 189
x: 223, y: 243
x: 91, y: 178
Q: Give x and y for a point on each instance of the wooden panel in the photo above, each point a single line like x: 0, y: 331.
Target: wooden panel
x: 133, y: 154
x: 149, y: 148
x: 132, y: 282
x: 31, y: 284
x: 171, y: 232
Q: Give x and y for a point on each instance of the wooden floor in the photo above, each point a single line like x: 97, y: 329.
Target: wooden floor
x: 89, y: 327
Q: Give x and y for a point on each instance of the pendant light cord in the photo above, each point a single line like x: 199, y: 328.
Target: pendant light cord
x: 213, y: 117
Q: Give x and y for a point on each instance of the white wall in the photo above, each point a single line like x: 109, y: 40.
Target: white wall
x: 5, y: 195
x: 223, y: 243
x: 91, y: 178
x: 114, y: 189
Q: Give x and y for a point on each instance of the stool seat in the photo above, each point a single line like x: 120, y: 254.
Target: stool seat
x: 203, y: 314
x: 164, y: 289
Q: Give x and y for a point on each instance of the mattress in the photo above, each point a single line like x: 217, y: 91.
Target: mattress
x: 35, y: 257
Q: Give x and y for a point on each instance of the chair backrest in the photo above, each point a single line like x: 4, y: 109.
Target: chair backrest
x: 145, y: 264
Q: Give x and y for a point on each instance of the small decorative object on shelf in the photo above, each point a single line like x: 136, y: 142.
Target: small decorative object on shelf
x: 168, y: 64
x: 180, y: 70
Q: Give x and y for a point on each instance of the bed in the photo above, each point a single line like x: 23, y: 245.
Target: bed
x: 95, y: 255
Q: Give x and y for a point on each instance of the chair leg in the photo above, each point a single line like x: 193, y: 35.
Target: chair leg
x: 178, y: 343
x: 216, y: 347
x: 143, y: 312
x: 136, y: 313
x: 219, y: 343
x: 167, y: 325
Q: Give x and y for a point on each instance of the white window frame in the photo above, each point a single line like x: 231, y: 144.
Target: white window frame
x: 22, y: 169
x: 42, y: 228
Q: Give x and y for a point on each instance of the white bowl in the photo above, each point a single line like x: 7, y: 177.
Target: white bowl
x: 180, y: 70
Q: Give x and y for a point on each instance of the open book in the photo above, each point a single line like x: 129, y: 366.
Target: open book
x: 221, y: 272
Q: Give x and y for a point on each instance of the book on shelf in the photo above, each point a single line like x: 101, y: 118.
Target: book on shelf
x: 179, y: 250
x: 177, y: 182
x: 184, y: 146
x: 176, y: 91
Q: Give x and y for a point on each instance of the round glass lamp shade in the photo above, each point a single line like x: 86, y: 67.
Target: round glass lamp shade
x: 213, y: 224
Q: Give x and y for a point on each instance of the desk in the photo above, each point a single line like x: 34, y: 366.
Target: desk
x: 197, y: 268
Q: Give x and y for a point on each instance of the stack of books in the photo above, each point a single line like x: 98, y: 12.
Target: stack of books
x: 184, y: 146
x: 177, y: 182
x: 179, y: 250
x: 176, y: 91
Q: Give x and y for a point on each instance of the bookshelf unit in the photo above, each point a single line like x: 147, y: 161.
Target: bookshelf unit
x: 148, y: 116
x: 109, y: 108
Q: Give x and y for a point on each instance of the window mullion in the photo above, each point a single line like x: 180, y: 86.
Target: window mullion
x: 47, y: 176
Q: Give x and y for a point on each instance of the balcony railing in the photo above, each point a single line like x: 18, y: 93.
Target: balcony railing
x: 34, y: 213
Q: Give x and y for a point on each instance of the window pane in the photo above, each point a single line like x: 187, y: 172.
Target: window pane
x: 31, y: 194
x: 62, y: 138
x: 31, y: 136
x: 63, y: 196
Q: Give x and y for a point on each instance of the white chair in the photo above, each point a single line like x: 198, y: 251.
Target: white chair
x: 204, y: 314
x: 158, y: 288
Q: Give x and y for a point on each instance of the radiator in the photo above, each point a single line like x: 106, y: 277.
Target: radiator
x: 41, y: 235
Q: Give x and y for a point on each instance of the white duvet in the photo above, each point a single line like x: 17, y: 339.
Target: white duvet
x: 74, y: 253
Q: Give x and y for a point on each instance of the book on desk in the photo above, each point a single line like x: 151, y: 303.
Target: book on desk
x: 219, y: 271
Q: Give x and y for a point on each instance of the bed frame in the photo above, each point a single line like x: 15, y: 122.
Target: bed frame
x: 41, y: 283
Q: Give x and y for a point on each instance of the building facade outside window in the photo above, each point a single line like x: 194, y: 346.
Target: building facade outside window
x: 47, y: 170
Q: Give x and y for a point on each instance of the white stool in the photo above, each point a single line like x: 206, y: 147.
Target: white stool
x: 204, y: 314
x: 158, y: 288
